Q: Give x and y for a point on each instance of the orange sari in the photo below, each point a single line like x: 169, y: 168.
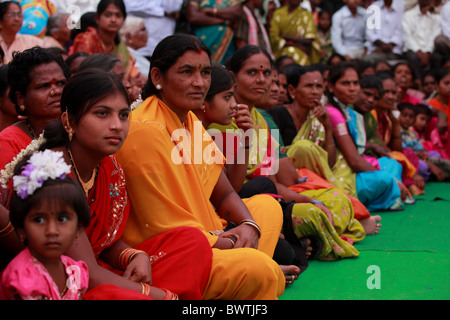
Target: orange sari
x: 171, y: 173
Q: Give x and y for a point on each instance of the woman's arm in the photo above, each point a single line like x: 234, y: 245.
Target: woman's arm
x: 81, y: 250
x: 229, y: 206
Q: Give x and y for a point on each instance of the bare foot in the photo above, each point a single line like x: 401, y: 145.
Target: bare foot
x: 371, y: 225
x: 290, y: 273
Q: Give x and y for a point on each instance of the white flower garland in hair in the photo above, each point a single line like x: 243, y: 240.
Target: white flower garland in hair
x: 7, y: 173
x: 41, y: 166
x: 137, y: 103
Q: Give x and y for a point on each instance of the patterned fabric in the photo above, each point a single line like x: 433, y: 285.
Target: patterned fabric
x: 299, y: 24
x: 25, y: 278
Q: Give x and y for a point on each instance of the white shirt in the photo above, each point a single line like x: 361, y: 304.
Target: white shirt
x: 445, y: 19
x: 390, y: 30
x: 419, y: 30
x: 158, y: 26
x: 348, y: 31
x: 71, y: 7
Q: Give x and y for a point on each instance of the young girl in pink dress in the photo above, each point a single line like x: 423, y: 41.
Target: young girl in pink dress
x: 47, y: 211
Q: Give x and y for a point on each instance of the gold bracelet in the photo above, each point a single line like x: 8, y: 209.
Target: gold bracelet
x: 253, y: 224
x: 146, y: 288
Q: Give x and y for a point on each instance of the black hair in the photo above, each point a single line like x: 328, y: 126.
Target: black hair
x: 73, y: 56
x: 80, y: 93
x: 221, y: 80
x: 369, y: 81
x: 441, y: 74
x: 406, y: 105
x: 100, y: 61
x: 166, y: 54
x: 23, y: 63
x: 66, y: 190
x: 423, y: 109
x: 237, y: 60
x: 4, y: 85
x: 4, y: 6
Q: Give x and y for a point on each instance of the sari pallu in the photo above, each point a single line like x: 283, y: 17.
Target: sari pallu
x: 307, y: 218
x: 218, y: 38
x: 91, y: 43
x: 168, y: 188
x: 377, y: 190
x: 180, y: 249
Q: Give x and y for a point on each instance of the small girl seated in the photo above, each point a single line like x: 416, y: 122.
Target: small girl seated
x: 430, y: 163
x: 47, y: 211
x: 430, y: 140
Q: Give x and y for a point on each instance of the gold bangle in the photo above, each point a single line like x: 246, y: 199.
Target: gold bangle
x: 146, y: 288
x: 253, y: 224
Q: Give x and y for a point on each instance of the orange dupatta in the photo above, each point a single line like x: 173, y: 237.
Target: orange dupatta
x: 166, y: 194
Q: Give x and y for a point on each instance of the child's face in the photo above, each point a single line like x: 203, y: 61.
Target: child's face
x: 406, y: 118
x: 443, y: 87
x: 50, y: 228
x: 221, y: 108
x: 421, y: 122
x: 324, y: 21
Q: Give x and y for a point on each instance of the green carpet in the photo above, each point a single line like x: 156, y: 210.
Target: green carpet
x: 409, y: 259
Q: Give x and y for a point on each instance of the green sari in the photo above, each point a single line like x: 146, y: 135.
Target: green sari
x: 218, y: 38
x: 337, y: 241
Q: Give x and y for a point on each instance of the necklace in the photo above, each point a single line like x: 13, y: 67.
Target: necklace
x: 33, y: 136
x: 85, y: 185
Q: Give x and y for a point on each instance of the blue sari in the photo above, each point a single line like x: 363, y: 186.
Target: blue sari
x: 377, y: 190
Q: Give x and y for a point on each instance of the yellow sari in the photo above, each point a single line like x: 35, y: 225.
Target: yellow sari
x: 171, y: 174
x: 308, y: 220
x: 300, y: 23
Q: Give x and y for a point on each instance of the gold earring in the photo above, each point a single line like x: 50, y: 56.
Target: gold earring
x: 204, y: 108
x: 68, y: 127
x: 158, y: 87
x: 22, y: 107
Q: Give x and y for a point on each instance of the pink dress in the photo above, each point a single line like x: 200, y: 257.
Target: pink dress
x: 25, y: 278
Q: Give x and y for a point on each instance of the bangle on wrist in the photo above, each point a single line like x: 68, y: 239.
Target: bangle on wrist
x: 253, y: 224
x: 146, y: 288
x: 127, y: 255
x: 318, y: 201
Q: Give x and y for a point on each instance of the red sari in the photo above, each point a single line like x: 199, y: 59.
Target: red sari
x: 180, y: 258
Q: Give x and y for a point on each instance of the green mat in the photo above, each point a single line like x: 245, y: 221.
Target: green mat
x: 409, y: 259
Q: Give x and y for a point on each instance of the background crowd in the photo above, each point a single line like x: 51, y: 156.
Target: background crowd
x: 358, y: 90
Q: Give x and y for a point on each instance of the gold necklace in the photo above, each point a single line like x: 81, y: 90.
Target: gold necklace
x: 85, y: 185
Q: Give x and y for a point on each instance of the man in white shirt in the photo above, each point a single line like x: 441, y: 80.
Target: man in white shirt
x: 159, y: 18
x: 385, y: 41
x: 420, y: 27
x: 442, y: 41
x: 348, y: 30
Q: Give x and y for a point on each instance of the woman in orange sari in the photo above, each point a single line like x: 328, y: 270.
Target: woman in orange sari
x: 170, y: 161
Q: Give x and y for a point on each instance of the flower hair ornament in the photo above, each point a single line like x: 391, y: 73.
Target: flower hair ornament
x: 7, y: 173
x: 41, y: 166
